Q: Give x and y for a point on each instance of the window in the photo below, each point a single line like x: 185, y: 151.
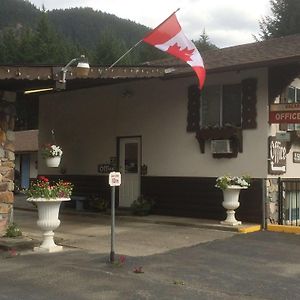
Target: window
x: 221, y: 106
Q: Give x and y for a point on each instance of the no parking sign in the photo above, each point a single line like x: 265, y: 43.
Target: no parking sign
x: 114, y: 179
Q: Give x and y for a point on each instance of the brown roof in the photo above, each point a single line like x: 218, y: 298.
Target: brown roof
x: 275, y: 51
x: 265, y: 53
x: 26, y: 141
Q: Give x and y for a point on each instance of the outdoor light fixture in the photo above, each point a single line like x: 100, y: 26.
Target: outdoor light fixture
x: 82, y: 70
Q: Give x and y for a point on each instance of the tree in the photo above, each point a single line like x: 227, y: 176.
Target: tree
x: 109, y: 49
x: 203, y: 43
x: 9, y: 46
x: 285, y: 19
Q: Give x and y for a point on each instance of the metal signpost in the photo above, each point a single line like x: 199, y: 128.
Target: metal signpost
x: 114, y: 180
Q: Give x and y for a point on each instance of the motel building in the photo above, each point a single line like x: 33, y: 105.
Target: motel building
x: 169, y: 140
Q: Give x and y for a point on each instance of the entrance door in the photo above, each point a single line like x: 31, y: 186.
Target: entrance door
x: 129, y: 163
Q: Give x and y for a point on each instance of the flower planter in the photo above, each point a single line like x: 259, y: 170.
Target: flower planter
x: 48, y: 210
x: 231, y: 203
x: 53, y: 162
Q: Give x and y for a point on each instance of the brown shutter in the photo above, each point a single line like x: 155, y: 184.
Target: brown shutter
x: 249, y: 100
x: 193, y: 112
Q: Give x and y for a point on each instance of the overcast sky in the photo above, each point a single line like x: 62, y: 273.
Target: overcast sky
x: 226, y: 22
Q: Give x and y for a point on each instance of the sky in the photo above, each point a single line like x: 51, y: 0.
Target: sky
x: 226, y: 22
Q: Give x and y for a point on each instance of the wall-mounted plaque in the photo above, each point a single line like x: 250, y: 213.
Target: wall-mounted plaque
x: 296, y: 157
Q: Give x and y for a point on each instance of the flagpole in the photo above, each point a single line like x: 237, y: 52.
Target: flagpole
x: 125, y: 53
x: 128, y: 51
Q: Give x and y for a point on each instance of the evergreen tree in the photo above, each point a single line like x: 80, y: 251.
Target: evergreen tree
x: 285, y: 19
x: 109, y: 49
x: 26, y: 47
x: 203, y: 43
x: 10, y: 46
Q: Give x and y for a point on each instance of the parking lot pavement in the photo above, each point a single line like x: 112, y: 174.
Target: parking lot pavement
x: 261, y: 265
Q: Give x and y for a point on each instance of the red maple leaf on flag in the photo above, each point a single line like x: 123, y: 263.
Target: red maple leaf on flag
x: 184, y: 54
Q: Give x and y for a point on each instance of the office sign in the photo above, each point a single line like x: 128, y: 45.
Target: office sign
x: 282, y: 113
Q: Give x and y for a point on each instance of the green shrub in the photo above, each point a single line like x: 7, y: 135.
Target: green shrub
x: 13, y: 231
x: 142, y: 206
x: 97, y: 203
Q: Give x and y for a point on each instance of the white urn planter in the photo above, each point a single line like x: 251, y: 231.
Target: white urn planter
x: 231, y: 203
x: 53, y: 162
x: 48, y: 210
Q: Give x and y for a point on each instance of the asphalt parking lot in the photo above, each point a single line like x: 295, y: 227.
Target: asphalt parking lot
x: 261, y: 265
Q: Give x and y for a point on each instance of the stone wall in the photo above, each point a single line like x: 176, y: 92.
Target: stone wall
x: 7, y: 157
x: 272, y: 200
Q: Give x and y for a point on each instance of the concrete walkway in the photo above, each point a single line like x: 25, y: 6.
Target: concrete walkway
x: 138, y: 236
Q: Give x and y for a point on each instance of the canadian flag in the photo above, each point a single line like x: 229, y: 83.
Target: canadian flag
x: 169, y: 37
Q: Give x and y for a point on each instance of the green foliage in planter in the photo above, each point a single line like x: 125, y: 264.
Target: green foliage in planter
x: 142, y: 206
x: 13, y: 231
x: 98, y: 203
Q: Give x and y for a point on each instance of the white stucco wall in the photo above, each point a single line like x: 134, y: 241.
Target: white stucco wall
x: 87, y: 123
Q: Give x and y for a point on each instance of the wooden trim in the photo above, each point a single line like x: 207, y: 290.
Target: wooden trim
x: 193, y: 108
x: 198, y: 197
x: 233, y: 133
x: 249, y: 100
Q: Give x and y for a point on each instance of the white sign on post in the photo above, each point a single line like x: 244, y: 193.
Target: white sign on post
x: 114, y: 179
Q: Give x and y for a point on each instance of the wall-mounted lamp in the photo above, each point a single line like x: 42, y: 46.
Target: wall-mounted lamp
x: 82, y: 70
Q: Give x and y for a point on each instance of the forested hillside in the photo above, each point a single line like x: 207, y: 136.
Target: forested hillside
x: 15, y: 12
x: 32, y: 36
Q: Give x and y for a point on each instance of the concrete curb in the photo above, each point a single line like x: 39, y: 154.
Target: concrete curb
x: 284, y: 228
x: 20, y: 243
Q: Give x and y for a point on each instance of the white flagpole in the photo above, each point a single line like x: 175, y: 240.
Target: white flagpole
x: 128, y: 51
x: 125, y: 53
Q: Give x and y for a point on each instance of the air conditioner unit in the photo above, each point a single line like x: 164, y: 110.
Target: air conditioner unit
x: 221, y: 146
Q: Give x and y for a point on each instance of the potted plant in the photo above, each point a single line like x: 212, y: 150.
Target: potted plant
x: 52, y: 155
x: 48, y: 198
x: 231, y: 186
x: 142, y: 206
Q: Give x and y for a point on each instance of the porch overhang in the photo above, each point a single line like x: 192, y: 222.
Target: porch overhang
x: 22, y: 78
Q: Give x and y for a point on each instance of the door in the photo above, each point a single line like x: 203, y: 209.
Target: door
x: 25, y: 170
x: 129, y: 163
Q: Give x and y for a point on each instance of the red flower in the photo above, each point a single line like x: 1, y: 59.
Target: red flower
x: 43, y: 178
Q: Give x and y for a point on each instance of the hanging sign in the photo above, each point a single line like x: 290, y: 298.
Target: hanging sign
x: 114, y: 179
x: 281, y: 113
x: 277, y: 156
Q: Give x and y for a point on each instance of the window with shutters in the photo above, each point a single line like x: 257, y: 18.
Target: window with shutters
x: 221, y: 106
